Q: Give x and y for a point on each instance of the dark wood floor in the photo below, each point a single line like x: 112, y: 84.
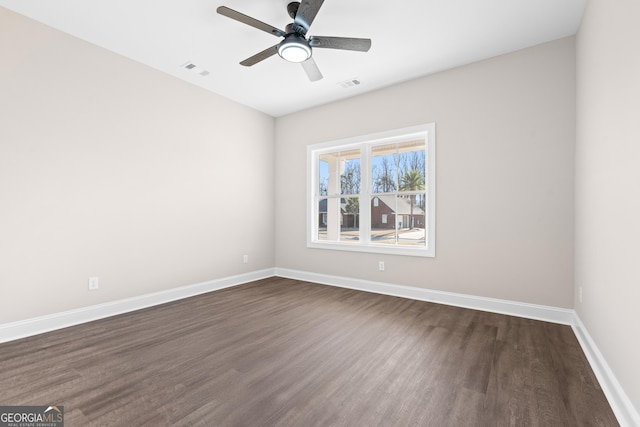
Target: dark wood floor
x: 289, y: 353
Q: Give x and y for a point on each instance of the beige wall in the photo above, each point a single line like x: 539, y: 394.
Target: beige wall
x: 608, y: 184
x: 505, y: 153
x: 111, y: 169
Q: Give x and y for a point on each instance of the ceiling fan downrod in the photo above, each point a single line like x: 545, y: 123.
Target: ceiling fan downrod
x: 292, y: 9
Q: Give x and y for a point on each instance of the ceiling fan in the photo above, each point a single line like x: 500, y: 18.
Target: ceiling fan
x: 296, y: 46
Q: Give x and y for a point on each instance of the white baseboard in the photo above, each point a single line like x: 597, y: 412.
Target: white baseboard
x: 529, y: 311
x: 620, y: 403
x: 39, y: 325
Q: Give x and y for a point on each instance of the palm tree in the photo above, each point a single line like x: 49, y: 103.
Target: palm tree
x: 412, y: 180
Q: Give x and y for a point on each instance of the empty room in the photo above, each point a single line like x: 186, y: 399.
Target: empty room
x: 325, y: 213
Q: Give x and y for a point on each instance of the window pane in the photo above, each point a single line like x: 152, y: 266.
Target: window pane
x: 323, y: 176
x: 350, y: 220
x: 411, y: 165
x: 398, y: 220
x: 383, y: 226
x: 383, y: 169
x: 329, y: 219
x: 411, y: 229
x: 350, y: 172
x: 322, y: 220
x: 339, y: 173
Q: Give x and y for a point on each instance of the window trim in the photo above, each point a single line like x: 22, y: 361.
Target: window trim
x: 428, y: 131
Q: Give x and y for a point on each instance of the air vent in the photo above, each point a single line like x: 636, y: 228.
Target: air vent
x: 349, y: 83
x: 194, y: 68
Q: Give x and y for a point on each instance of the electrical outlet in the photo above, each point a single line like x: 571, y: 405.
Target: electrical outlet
x: 381, y: 265
x: 246, y: 259
x: 94, y: 283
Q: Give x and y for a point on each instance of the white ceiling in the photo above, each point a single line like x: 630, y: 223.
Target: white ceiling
x: 409, y: 39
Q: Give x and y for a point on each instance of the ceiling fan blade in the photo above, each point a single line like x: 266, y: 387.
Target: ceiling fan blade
x: 307, y: 12
x: 312, y: 70
x: 344, y: 43
x: 253, y: 60
x: 240, y: 17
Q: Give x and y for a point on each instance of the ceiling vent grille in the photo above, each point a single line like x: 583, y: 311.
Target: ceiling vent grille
x: 194, y: 68
x: 349, y: 83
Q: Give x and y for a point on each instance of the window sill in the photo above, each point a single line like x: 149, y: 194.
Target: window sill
x: 378, y: 249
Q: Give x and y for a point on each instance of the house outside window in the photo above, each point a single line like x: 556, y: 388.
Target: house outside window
x: 374, y: 193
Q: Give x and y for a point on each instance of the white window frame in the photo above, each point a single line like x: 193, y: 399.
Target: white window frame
x: 365, y: 142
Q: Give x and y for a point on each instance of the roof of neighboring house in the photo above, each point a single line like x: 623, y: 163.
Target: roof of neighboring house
x: 322, y: 207
x: 403, y: 205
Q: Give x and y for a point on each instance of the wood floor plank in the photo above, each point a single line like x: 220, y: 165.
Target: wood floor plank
x: 280, y: 352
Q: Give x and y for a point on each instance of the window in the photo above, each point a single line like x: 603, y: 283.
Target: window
x: 374, y: 193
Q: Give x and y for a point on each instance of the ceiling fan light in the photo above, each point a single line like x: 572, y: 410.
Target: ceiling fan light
x: 294, y: 49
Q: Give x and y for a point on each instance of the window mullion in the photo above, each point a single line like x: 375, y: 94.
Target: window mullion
x: 365, y: 194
